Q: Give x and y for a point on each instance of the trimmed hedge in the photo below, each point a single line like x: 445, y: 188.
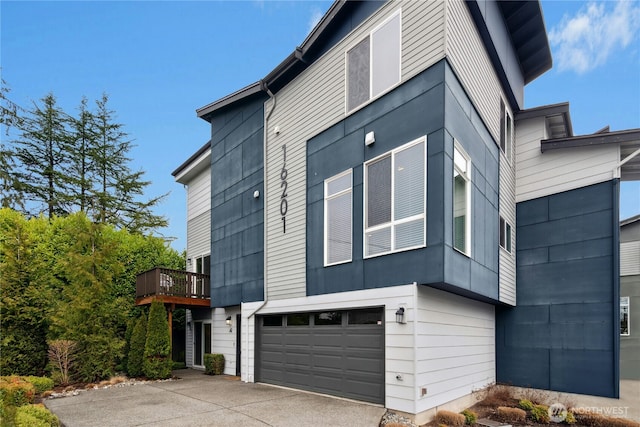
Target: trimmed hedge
x: 213, y: 364
x: 35, y: 416
x: 41, y: 384
x: 15, y: 391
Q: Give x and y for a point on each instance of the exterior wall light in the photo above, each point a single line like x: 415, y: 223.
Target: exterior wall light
x: 370, y: 138
x: 228, y: 321
x: 400, y: 315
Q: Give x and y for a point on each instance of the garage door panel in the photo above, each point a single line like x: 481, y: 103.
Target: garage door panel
x: 344, y: 360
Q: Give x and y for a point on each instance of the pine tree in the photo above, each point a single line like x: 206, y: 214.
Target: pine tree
x: 82, y: 164
x: 157, y: 349
x: 10, y: 195
x: 42, y: 151
x: 118, y: 189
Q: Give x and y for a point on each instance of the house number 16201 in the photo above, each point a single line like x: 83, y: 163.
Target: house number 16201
x: 284, y: 206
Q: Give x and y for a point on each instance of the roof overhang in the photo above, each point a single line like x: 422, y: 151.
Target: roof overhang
x: 628, y: 140
x: 199, y: 161
x: 557, y: 117
x: 630, y: 220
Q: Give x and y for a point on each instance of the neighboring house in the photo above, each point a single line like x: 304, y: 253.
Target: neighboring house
x: 630, y: 298
x: 366, y: 209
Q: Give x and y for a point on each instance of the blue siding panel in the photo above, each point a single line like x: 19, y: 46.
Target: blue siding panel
x: 237, y: 220
x: 567, y: 295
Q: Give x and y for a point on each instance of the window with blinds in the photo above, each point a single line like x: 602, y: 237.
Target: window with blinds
x: 461, y: 200
x: 373, y: 65
x: 395, y: 200
x: 338, y: 218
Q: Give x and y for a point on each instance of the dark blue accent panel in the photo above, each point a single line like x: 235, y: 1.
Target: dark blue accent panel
x: 237, y: 220
x: 419, y: 107
x: 567, y: 302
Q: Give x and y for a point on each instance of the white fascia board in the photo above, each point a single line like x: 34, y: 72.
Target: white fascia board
x: 198, y: 165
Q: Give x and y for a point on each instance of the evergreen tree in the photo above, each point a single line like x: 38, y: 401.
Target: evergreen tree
x: 157, y: 349
x: 42, y: 151
x: 10, y: 196
x: 118, y: 190
x: 136, y: 347
x: 24, y: 300
x: 82, y: 164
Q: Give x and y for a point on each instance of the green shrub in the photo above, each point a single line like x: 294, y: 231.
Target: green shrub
x: 540, y: 414
x: 15, y: 391
x: 450, y: 418
x: 178, y: 365
x: 525, y: 404
x: 136, y: 347
x: 157, y: 349
x: 35, y: 416
x: 41, y: 384
x: 470, y: 416
x: 214, y: 364
x: 570, y: 418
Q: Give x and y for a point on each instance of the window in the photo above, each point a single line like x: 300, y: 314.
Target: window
x: 373, y: 65
x: 300, y: 319
x: 203, y: 265
x: 506, y: 131
x: 272, y: 321
x: 337, y: 218
x: 328, y: 318
x: 367, y: 316
x: 461, y: 200
x: 624, y: 316
x: 395, y: 200
x: 505, y: 235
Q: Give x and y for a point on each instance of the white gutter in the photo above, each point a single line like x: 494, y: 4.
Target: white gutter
x: 264, y: 215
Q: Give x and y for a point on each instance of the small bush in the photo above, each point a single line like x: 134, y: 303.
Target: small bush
x: 469, y: 416
x: 136, y: 347
x: 15, y: 391
x: 540, y: 414
x: 525, y: 404
x: 41, y: 384
x: 62, y: 355
x: 213, y: 364
x: 157, y: 349
x: 570, y: 418
x: 450, y: 418
x: 597, y: 420
x: 178, y: 365
x: 35, y: 416
x: 497, y: 395
x: 535, y: 395
x: 511, y: 415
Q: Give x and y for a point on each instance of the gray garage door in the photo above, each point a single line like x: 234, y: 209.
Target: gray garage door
x: 334, y: 352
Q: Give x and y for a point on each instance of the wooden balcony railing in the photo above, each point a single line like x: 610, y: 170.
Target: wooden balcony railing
x: 173, y: 286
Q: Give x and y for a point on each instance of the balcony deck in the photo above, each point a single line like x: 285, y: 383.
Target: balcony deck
x: 175, y: 287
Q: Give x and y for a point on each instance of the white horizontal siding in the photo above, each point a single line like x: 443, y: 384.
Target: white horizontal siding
x: 198, y: 236
x: 199, y: 194
x: 224, y: 337
x: 311, y: 103
x: 507, y: 276
x: 188, y: 351
x: 541, y: 174
x: 456, y: 347
x: 630, y: 258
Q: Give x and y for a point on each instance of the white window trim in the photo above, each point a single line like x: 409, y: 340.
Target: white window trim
x: 346, y: 68
x: 391, y: 224
x: 628, y: 305
x: 507, y: 226
x: 467, y: 177
x: 508, y: 134
x: 194, y: 265
x: 327, y: 198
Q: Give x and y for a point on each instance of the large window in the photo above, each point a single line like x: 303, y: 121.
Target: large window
x: 461, y: 200
x: 337, y: 217
x: 505, y: 235
x: 506, y: 131
x: 624, y: 316
x: 373, y: 65
x: 203, y: 264
x: 395, y: 200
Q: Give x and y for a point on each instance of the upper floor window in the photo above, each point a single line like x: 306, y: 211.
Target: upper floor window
x: 395, y: 202
x: 337, y: 218
x: 505, y: 235
x: 506, y: 132
x: 624, y: 316
x: 461, y: 200
x: 373, y: 65
x: 203, y: 264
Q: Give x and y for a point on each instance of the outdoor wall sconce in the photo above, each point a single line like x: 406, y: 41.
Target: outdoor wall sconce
x: 400, y: 315
x: 228, y: 322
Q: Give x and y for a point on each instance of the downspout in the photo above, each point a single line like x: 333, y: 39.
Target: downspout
x: 415, y: 348
x: 264, y: 199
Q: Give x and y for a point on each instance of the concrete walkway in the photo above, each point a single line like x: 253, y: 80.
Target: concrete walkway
x: 200, y: 400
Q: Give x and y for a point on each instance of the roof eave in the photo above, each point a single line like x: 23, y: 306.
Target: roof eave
x: 236, y: 96
x: 191, y: 159
x: 628, y: 135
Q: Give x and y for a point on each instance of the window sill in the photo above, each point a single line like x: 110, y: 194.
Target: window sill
x: 411, y: 248
x: 338, y: 263
x: 468, y: 255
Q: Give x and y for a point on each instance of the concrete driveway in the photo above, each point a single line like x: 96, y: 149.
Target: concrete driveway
x: 200, y: 400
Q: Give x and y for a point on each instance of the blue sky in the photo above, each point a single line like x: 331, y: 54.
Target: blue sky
x: 159, y: 61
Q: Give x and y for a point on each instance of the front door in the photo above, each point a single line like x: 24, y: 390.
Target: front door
x: 197, y: 343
